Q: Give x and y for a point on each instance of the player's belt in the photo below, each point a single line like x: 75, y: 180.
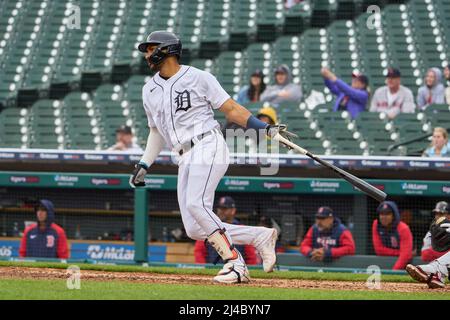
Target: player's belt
x: 188, y: 146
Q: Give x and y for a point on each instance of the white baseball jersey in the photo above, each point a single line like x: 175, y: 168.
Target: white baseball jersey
x: 181, y: 106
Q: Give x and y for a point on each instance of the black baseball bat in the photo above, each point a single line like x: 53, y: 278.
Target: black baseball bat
x: 360, y: 184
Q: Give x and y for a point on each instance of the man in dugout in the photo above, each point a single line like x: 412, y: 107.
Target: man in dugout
x: 328, y: 238
x: 44, y: 239
x: 390, y: 236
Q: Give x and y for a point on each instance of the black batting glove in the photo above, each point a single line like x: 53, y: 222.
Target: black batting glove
x: 138, y: 177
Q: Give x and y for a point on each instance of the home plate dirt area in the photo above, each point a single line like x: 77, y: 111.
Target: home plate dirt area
x: 143, y: 277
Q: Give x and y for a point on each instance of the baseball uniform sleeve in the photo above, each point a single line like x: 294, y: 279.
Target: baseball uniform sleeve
x: 146, y: 105
x: 213, y: 91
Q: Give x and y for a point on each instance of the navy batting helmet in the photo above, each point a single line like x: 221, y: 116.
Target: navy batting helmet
x: 168, y: 44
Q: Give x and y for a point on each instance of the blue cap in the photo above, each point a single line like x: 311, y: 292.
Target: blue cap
x: 226, y: 202
x: 324, y: 212
x: 384, y: 208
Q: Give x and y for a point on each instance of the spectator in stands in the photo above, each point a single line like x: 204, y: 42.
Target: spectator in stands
x: 205, y: 253
x: 390, y: 236
x: 439, y: 147
x: 328, y: 238
x: 447, y: 79
x: 44, y: 239
x: 124, y: 140
x: 433, y: 91
x: 252, y: 92
x: 352, y: 98
x: 290, y: 3
x: 393, y: 98
x: 428, y: 254
x: 269, y: 116
x: 283, y: 89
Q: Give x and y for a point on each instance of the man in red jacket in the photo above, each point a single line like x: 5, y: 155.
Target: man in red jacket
x: 390, y: 236
x: 205, y: 253
x: 428, y: 253
x: 44, y: 239
x: 328, y: 238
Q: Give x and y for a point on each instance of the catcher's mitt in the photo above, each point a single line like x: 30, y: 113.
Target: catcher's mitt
x: 440, y: 234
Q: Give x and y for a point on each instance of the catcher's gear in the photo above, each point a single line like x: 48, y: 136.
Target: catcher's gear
x: 281, y: 129
x: 138, y: 177
x: 440, y: 234
x: 168, y: 44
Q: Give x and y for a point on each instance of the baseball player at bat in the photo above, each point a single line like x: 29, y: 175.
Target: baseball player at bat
x: 179, y: 102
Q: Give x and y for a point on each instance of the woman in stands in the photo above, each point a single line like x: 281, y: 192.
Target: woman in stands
x: 432, y: 91
x: 439, y: 144
x: 252, y: 92
x: 352, y: 98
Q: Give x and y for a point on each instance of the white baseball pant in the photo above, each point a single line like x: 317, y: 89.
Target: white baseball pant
x: 199, y: 174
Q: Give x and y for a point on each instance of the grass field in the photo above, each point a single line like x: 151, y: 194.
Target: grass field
x: 131, y: 282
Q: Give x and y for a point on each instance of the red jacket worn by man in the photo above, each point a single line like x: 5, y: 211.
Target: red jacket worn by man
x: 390, y: 236
x: 45, y: 239
x: 328, y: 238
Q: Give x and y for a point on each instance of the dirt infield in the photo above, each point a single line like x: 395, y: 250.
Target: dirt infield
x: 142, y: 277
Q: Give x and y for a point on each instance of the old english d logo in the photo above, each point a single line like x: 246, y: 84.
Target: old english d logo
x: 183, y: 100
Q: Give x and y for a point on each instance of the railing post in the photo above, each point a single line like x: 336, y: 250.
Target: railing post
x: 140, y: 225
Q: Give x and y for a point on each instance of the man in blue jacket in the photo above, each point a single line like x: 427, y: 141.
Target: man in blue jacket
x: 352, y: 98
x: 44, y: 239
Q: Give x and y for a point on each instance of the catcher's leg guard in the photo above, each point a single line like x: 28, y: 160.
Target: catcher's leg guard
x: 219, y: 241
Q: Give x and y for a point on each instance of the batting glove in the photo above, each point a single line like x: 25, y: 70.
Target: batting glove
x: 281, y: 129
x: 138, y: 177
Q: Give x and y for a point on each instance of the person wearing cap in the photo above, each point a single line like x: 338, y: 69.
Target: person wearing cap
x: 352, y: 98
x: 124, y: 141
x: 252, y: 92
x: 283, y: 90
x: 428, y: 253
x: 328, y: 238
x: 447, y: 80
x: 44, y: 239
x: 205, y: 253
x: 267, y: 115
x: 393, y: 98
x: 433, y: 91
x: 390, y: 236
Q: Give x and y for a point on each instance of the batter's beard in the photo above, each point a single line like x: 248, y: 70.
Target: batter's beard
x: 153, y: 67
